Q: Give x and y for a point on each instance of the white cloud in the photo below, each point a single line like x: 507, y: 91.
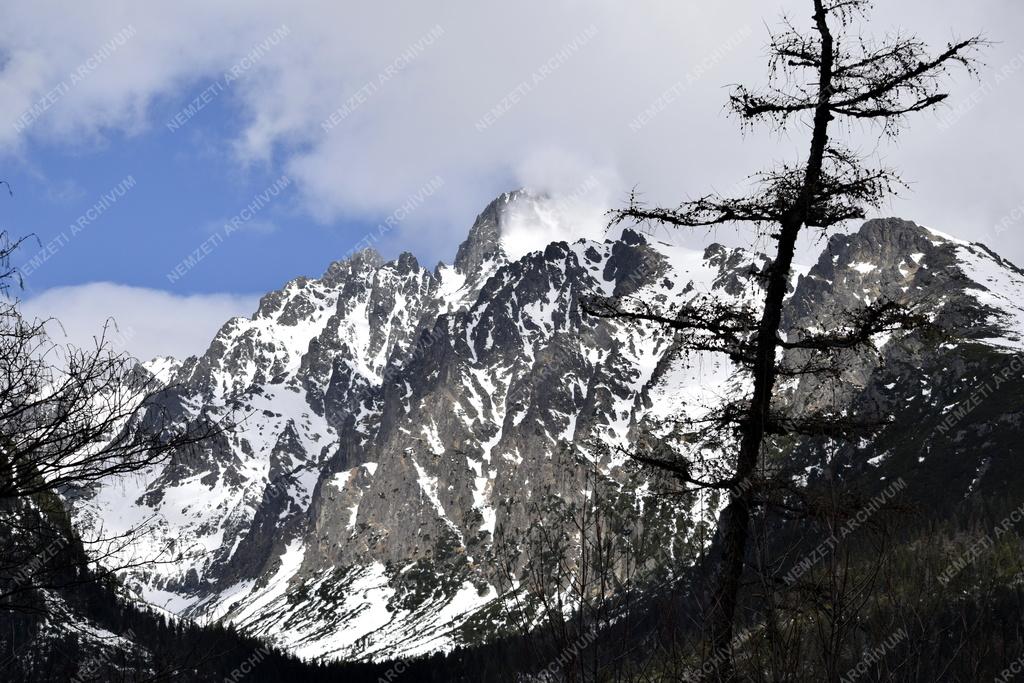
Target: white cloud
x: 419, y: 119
x: 568, y: 214
x: 145, y: 322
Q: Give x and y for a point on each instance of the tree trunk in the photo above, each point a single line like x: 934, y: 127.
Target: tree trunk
x: 736, y: 517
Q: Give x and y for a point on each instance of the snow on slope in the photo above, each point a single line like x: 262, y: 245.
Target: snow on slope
x: 1001, y: 288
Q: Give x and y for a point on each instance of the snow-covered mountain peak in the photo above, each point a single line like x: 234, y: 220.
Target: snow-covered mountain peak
x: 360, y: 261
x: 483, y: 244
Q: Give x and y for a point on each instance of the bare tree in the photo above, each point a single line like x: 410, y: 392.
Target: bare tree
x: 581, y: 579
x: 816, y: 76
x: 69, y: 417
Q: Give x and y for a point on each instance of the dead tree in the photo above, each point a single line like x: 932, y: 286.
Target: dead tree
x: 818, y: 76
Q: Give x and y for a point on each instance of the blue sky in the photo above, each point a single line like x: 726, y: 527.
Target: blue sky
x: 186, y: 185
x: 360, y: 105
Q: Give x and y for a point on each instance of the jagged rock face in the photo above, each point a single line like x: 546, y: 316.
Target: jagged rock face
x: 396, y: 426
x: 896, y: 260
x: 484, y: 241
x: 952, y: 392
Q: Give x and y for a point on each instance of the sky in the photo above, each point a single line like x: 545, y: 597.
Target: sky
x: 171, y: 162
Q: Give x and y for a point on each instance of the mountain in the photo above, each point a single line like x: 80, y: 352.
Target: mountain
x: 953, y: 399
x: 399, y: 431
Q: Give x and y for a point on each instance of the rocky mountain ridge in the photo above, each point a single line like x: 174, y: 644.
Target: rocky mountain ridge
x: 399, y: 428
